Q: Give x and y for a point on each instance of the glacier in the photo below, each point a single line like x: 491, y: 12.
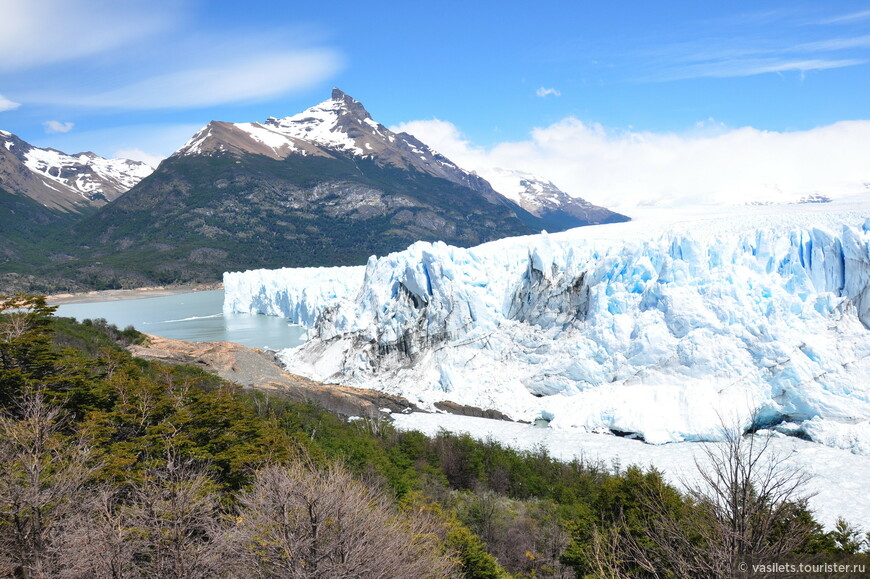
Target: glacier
x: 663, y: 329
x: 299, y: 294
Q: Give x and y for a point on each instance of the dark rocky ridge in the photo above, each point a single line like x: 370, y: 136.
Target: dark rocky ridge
x: 198, y: 216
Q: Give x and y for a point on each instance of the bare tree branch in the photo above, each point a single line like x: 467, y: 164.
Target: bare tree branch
x: 300, y: 521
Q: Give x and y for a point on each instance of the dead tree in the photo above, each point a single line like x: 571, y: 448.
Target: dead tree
x: 175, y: 516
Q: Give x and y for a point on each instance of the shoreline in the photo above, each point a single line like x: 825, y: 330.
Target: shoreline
x: 129, y: 294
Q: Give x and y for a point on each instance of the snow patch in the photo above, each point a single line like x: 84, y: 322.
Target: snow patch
x: 273, y: 139
x: 86, y: 174
x: 319, y: 125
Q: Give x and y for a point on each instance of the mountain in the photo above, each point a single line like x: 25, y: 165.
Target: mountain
x: 342, y: 127
x: 542, y: 198
x: 328, y: 186
x: 665, y: 330
x: 43, y: 192
x: 64, y: 183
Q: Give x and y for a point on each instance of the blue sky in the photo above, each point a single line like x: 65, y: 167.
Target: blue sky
x: 139, y: 78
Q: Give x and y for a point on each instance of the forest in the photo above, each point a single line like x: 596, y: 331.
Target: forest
x: 117, y: 467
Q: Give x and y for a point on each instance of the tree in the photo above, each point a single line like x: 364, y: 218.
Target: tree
x: 26, y: 354
x: 846, y: 538
x: 300, y: 521
x: 99, y: 541
x: 748, y: 506
x: 42, y: 484
x: 755, y: 498
x: 175, y: 514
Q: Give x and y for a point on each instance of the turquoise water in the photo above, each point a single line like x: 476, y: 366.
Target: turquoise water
x: 196, y: 316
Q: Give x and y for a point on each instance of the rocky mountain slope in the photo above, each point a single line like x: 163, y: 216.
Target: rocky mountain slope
x: 542, y: 198
x: 44, y: 191
x: 340, y: 126
x: 329, y: 186
x: 65, y: 183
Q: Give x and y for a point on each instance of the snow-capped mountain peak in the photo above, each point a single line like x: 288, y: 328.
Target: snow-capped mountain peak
x: 342, y: 127
x: 338, y: 126
x: 61, y: 181
x: 526, y: 187
x: 541, y: 197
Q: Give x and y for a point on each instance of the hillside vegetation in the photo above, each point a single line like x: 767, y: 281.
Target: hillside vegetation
x: 119, y: 467
x: 195, y: 218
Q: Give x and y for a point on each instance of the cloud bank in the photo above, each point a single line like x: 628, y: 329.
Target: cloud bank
x: 710, y: 164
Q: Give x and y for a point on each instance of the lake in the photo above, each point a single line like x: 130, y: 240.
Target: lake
x: 194, y: 316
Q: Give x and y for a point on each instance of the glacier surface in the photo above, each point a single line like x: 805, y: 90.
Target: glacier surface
x: 665, y: 329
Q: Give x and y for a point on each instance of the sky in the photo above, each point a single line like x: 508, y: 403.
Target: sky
x: 623, y: 102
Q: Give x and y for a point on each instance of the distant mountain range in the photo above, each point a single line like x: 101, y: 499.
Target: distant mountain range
x: 542, y: 198
x: 328, y: 186
x: 65, y: 183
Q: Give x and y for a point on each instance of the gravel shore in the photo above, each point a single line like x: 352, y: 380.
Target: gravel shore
x: 130, y: 294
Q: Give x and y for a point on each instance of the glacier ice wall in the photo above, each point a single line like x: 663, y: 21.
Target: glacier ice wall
x: 299, y: 294
x: 665, y: 332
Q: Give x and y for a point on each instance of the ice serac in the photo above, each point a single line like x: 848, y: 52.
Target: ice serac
x: 664, y: 332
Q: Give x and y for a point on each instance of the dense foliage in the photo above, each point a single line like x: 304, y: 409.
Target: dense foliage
x: 118, y: 467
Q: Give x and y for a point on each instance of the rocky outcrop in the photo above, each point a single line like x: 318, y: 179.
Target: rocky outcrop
x: 258, y: 369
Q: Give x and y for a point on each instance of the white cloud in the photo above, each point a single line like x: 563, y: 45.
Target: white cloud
x: 711, y: 164
x: 753, y: 66
x: 254, y: 77
x: 845, y: 18
x: 7, y: 105
x: 545, y: 92
x: 40, y: 32
x: 53, y: 127
x: 745, y: 46
x: 834, y: 44
x: 139, y: 155
x: 154, y: 54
